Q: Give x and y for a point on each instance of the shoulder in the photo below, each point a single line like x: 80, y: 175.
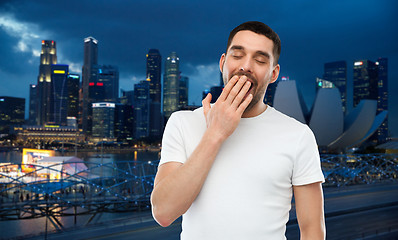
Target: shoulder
x: 187, y: 115
x: 186, y: 119
x: 286, y: 121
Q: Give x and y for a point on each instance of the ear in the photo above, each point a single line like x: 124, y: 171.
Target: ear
x: 222, y: 60
x: 275, y: 73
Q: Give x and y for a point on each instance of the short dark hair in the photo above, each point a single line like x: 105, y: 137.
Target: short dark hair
x: 259, y: 28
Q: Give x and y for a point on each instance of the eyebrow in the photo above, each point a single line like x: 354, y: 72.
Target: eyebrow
x: 238, y: 47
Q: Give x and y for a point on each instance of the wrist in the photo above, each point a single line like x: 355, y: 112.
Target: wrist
x: 213, y: 137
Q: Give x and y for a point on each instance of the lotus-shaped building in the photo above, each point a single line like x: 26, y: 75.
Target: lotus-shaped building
x: 331, y: 128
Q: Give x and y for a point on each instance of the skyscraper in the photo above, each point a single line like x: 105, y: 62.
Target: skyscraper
x: 124, y: 122
x: 365, y: 81
x: 382, y: 99
x: 89, y: 75
x: 33, y: 104
x: 336, y: 73
x: 73, y: 84
x: 108, y: 76
x: 59, y: 94
x: 142, y: 103
x: 183, y: 92
x: 103, y: 120
x: 171, y: 85
x: 12, y: 113
x: 371, y: 82
x: 153, y: 73
x: 48, y: 57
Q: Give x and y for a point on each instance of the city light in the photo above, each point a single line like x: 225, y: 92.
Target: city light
x: 358, y: 63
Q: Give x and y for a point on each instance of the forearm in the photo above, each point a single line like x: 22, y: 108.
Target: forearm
x: 314, y: 232
x: 174, y: 194
x: 309, y: 210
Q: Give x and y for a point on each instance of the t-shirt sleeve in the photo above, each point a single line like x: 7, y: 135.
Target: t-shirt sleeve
x: 173, y: 149
x: 307, y: 165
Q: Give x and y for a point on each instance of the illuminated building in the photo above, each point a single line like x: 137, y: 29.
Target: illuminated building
x: 153, y: 73
x: 382, y: 98
x: 371, y: 82
x: 171, y: 82
x: 124, y: 122
x: 124, y: 117
x: 73, y: 84
x: 336, y: 73
x: 322, y: 83
x: 12, y: 113
x: 108, y: 76
x: 183, y: 92
x: 32, y: 104
x: 142, y: 103
x: 48, y: 134
x: 89, y: 75
x: 333, y: 131
x: 103, y: 121
x: 365, y: 81
x: 48, y: 57
x: 59, y: 94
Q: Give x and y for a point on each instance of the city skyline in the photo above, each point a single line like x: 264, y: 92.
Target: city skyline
x: 311, y: 34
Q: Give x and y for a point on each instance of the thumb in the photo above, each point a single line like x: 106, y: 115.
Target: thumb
x: 206, y: 104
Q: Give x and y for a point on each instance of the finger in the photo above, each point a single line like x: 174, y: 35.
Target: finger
x: 228, y: 87
x: 236, y: 89
x: 206, y: 104
x: 242, y: 107
x: 239, y: 98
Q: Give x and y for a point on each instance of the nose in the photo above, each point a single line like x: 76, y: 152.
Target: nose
x: 246, y: 65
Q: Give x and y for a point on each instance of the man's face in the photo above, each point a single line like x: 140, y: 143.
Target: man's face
x: 250, y: 54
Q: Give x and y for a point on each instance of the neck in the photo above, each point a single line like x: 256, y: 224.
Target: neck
x: 255, y: 110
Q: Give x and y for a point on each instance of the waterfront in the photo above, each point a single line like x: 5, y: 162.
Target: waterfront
x: 26, y: 227
x: 124, y: 181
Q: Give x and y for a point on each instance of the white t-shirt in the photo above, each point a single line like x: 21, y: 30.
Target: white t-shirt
x: 248, y: 191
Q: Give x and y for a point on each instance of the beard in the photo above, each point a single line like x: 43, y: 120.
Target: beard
x: 256, y: 89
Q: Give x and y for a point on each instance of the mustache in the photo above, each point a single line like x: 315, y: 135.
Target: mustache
x: 248, y: 75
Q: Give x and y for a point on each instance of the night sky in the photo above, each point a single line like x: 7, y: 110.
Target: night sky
x: 312, y: 33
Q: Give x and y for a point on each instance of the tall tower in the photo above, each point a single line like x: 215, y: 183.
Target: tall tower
x: 171, y: 85
x: 108, y: 76
x: 32, y: 104
x: 103, y: 120
x: 48, y: 57
x: 12, y: 113
x: 365, y: 81
x: 153, y: 73
x: 183, y: 92
x: 382, y: 99
x: 89, y: 75
x: 142, y: 103
x: 73, y: 95
x: 59, y: 94
x: 336, y: 73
